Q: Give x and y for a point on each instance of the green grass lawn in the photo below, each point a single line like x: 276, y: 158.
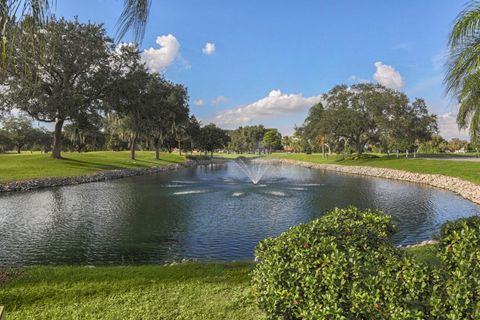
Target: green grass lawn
x: 465, y: 170
x: 183, y: 291
x: 425, y: 254
x: 29, y: 166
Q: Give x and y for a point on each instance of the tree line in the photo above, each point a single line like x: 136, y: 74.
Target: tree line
x: 352, y: 119
x: 97, y: 95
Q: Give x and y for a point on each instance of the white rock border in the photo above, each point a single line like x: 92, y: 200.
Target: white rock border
x: 24, y: 185
x: 465, y: 189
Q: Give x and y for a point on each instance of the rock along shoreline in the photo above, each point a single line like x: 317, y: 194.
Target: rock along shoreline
x: 25, y: 185
x: 465, y: 189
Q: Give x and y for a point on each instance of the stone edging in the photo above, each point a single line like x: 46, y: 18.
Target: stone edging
x: 25, y: 185
x: 465, y: 189
x: 420, y: 244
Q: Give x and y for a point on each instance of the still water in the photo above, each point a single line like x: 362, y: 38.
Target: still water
x: 207, y: 213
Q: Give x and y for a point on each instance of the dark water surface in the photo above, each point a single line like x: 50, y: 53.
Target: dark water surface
x: 206, y: 213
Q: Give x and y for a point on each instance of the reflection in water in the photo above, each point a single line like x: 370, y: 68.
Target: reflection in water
x: 209, y: 212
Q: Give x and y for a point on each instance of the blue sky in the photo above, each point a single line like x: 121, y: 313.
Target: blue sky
x: 268, y: 61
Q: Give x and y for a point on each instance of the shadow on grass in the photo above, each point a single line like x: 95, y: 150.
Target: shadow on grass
x: 102, y: 166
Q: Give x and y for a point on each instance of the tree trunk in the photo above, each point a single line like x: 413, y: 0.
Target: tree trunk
x: 157, y: 149
x: 180, y: 147
x: 133, y: 146
x: 57, y: 139
x: 19, y: 148
x: 359, y: 149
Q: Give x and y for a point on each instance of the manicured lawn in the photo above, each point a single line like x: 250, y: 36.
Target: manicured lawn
x: 185, y: 291
x: 465, y: 170
x: 29, y: 166
x: 425, y: 254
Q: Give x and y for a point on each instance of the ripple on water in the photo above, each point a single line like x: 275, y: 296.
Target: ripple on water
x: 179, y: 193
x: 297, y: 188
x: 276, y: 193
x: 238, y: 194
x: 184, y: 181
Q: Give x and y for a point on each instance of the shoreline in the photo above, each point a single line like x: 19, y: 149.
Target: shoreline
x: 26, y: 185
x: 467, y: 190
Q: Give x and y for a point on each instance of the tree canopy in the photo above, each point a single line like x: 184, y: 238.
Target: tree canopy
x: 368, y: 114
x: 70, y: 76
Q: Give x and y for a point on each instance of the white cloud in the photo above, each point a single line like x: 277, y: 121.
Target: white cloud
x: 447, y: 124
x: 220, y: 99
x: 198, y: 102
x: 386, y: 75
x: 157, y: 60
x: 209, y: 48
x: 276, y: 104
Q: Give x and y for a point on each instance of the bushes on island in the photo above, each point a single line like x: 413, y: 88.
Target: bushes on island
x: 344, y: 266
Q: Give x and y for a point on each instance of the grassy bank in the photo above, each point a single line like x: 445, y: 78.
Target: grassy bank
x: 469, y: 171
x: 29, y: 166
x: 24, y: 166
x: 183, y: 291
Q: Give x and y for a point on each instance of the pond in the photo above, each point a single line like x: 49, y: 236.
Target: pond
x: 207, y: 213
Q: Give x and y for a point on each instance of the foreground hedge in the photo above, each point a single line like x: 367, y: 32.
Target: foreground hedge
x: 344, y: 266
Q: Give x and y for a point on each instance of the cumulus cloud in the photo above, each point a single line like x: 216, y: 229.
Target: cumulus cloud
x: 447, y: 124
x: 386, y: 75
x: 276, y: 104
x: 220, y: 99
x: 198, y: 102
x: 160, y: 58
x: 209, y: 48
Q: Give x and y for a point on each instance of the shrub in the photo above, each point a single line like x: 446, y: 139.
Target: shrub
x: 197, y: 157
x: 362, y: 156
x: 456, y: 293
x: 341, y: 266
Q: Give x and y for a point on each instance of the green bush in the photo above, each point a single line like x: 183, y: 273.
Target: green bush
x: 456, y: 293
x: 341, y: 266
x: 362, y: 156
x: 197, y: 157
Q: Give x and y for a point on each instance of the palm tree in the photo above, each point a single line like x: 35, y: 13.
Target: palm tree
x: 463, y: 68
x: 133, y: 17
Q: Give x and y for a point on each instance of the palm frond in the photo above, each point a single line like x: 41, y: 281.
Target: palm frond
x: 463, y: 61
x: 468, y: 116
x: 467, y: 24
x: 474, y: 125
x: 134, y: 17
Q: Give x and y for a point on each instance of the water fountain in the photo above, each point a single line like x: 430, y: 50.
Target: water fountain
x: 253, y: 169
